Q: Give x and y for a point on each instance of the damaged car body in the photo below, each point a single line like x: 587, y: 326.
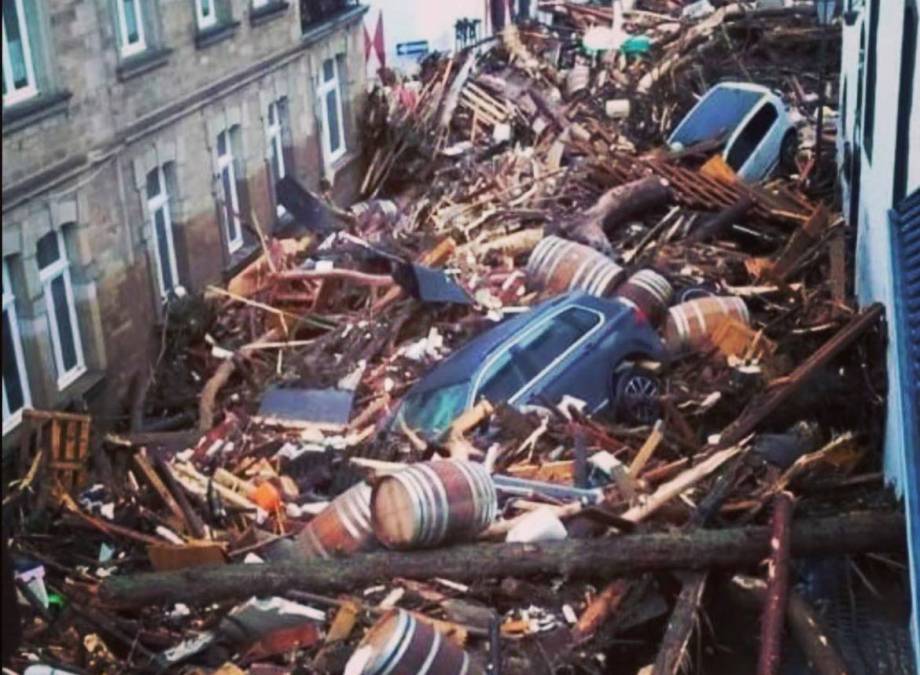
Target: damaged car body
x: 576, y: 344
x: 754, y: 122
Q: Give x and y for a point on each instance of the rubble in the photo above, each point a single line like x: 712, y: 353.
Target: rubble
x: 270, y: 508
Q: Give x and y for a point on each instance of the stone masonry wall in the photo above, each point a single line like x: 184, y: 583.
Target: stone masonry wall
x: 82, y: 170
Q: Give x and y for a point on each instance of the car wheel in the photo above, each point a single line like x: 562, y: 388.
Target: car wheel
x: 637, y: 396
x: 788, y: 151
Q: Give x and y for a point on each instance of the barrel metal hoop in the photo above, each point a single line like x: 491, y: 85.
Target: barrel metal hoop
x: 396, y: 646
x: 432, y: 654
x: 315, y: 543
x: 410, y: 482
x: 350, y: 516
x: 440, y: 503
x: 475, y: 486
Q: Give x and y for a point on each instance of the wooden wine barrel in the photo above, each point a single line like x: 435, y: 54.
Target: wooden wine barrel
x: 431, y: 503
x: 690, y: 324
x: 577, y: 78
x: 342, y: 528
x: 649, y: 292
x: 400, y: 644
x: 558, y: 265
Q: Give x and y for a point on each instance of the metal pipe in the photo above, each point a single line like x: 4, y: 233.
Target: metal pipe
x: 525, y: 488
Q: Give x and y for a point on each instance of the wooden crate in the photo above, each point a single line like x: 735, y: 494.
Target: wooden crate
x: 63, y: 440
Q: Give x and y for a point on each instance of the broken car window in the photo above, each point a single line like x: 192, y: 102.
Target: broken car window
x: 752, y: 135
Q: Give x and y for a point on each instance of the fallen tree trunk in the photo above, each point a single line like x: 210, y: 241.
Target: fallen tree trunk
x: 774, y: 608
x: 615, y: 207
x: 722, y: 221
x: 220, y: 377
x: 597, y: 559
x: 672, y: 655
x: 804, y: 624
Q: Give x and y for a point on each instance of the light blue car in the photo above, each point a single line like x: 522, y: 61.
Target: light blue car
x: 753, y: 121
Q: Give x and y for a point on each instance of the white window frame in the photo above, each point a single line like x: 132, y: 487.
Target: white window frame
x: 12, y: 419
x: 274, y: 134
x: 14, y: 95
x: 130, y: 48
x: 60, y: 268
x: 156, y: 204
x: 256, y: 4
x: 205, y: 22
x: 225, y: 164
x: 325, y: 87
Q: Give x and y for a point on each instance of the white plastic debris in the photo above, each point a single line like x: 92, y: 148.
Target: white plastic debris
x: 501, y: 132
x: 569, y: 614
x: 540, y: 525
x: 179, y: 610
x: 698, y: 10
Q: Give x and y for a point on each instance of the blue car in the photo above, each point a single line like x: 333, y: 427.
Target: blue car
x: 574, y: 344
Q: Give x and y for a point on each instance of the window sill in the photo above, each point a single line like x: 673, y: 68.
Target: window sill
x: 13, y: 421
x: 341, y: 163
x: 21, y: 115
x: 240, y: 258
x: 215, y: 34
x: 266, y: 13
x: 69, y: 378
x: 142, y: 63
x: 81, y: 387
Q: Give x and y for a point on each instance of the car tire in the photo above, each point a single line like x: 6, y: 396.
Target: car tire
x: 788, y: 151
x: 636, y: 396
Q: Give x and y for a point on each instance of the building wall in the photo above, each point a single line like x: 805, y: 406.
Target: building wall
x: 874, y: 278
x: 870, y: 213
x: 78, y: 161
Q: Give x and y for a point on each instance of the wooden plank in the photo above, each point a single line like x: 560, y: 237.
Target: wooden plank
x: 647, y: 449
x: 55, y: 415
x: 760, y: 409
x: 142, y: 463
x: 69, y: 477
x: 83, y: 452
x: 56, y: 449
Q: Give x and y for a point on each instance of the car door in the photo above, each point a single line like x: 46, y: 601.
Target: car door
x: 556, y: 354
x: 754, y: 149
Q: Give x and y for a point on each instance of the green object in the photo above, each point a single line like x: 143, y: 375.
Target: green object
x: 637, y: 45
x: 56, y: 599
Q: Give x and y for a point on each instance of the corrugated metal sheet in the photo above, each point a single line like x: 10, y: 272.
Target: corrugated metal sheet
x: 906, y: 239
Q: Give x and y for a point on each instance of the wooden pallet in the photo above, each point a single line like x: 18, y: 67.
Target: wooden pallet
x: 62, y: 442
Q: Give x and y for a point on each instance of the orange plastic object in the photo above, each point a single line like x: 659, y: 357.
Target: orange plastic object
x: 266, y: 497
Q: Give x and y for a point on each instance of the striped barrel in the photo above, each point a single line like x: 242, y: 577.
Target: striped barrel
x: 691, y: 324
x: 400, y: 644
x: 558, y: 265
x: 577, y: 78
x: 342, y: 528
x: 431, y: 503
x: 648, y: 292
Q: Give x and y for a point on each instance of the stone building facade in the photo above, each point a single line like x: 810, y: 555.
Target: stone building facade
x: 139, y: 138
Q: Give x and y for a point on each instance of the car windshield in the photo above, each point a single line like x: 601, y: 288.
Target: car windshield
x: 431, y: 412
x: 717, y: 115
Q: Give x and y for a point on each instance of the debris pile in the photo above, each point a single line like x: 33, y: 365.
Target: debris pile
x: 535, y: 402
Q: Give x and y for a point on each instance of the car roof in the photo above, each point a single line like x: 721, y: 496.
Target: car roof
x: 747, y: 86
x: 721, y: 111
x: 463, y: 363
